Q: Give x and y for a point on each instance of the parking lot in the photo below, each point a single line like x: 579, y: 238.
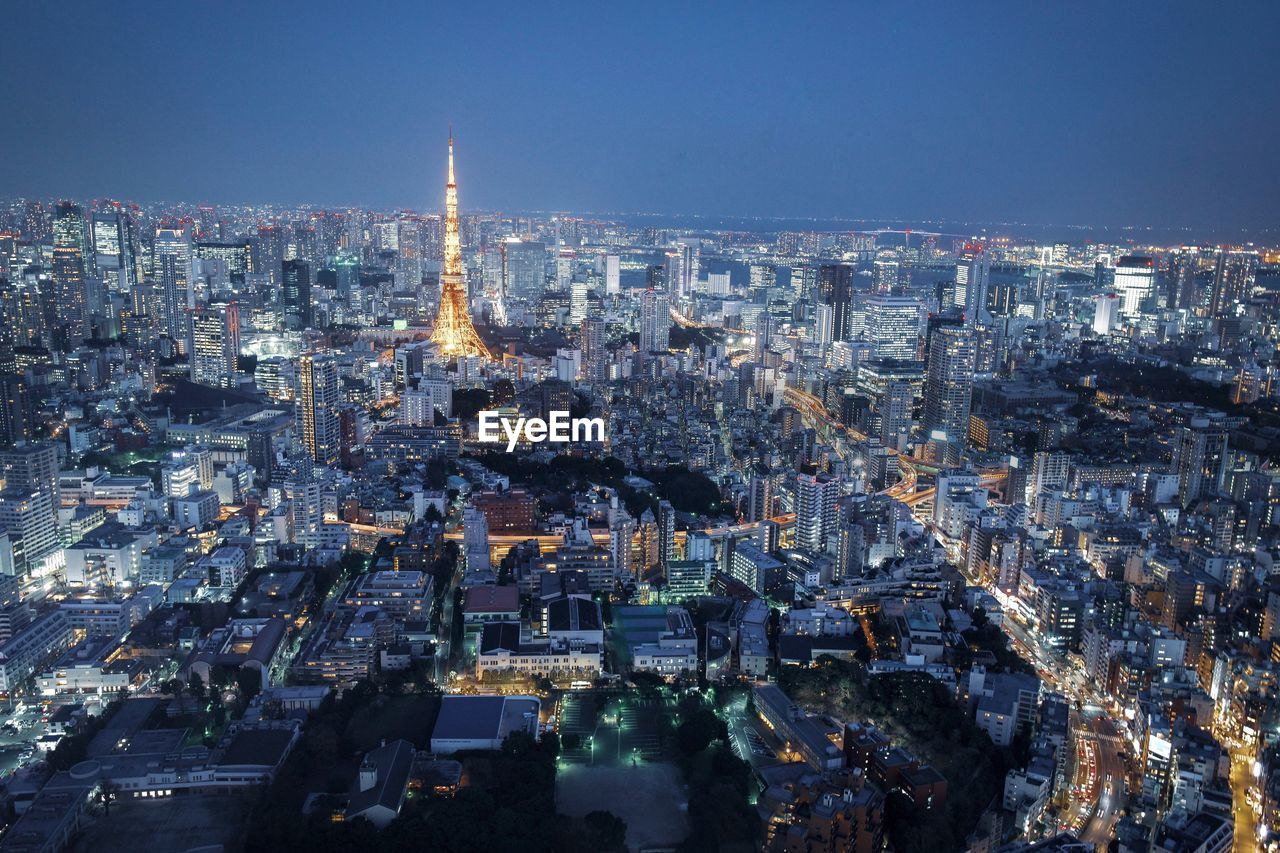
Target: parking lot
x: 626, y: 730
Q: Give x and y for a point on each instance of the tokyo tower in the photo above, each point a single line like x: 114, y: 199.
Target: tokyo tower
x: 453, y: 332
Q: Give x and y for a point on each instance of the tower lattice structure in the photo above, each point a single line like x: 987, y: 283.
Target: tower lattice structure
x: 453, y: 332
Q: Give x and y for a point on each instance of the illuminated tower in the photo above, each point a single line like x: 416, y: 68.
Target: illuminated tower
x: 453, y: 332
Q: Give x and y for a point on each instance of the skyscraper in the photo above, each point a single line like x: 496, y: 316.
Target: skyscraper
x: 295, y: 292
x: 1200, y: 459
x: 453, y: 331
x: 171, y: 255
x: 655, y: 321
x: 595, y: 358
x: 1105, y: 313
x: 113, y: 249
x: 1233, y: 280
x: 973, y: 280
x: 69, y: 249
x: 15, y: 409
x: 318, y: 407
x: 612, y: 275
x: 949, y: 387
x: 815, y: 510
x: 835, y: 289
x: 215, y: 343
x: 893, y: 324
x: 1135, y: 283
x: 523, y: 268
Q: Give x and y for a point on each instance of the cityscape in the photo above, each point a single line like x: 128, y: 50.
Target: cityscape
x: 380, y: 527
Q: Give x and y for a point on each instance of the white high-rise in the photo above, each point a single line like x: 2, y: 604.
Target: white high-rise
x: 893, y: 324
x: 1135, y: 283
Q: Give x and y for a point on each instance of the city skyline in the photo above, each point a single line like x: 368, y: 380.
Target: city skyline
x: 904, y: 124
x: 369, y: 527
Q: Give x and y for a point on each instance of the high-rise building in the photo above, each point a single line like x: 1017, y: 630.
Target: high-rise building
x: 655, y: 321
x: 893, y: 324
x: 1200, y: 458
x: 33, y: 468
x: 295, y: 292
x: 523, y: 268
x: 666, y: 535
x: 171, y: 256
x: 973, y: 281
x: 1233, y: 280
x: 612, y: 275
x: 835, y: 289
x: 949, y: 386
x: 70, y: 250
x: 759, y: 498
x: 815, y: 510
x: 894, y: 409
x: 318, y: 407
x: 1182, y: 282
x: 595, y: 357
x: 215, y: 343
x: 453, y: 331
x: 764, y: 335
x: 30, y: 517
x: 113, y: 249
x: 15, y: 409
x: 1135, y: 283
x: 1106, y: 313
x: 682, y: 267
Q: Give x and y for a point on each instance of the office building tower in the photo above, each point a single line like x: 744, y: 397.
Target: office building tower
x: 655, y: 321
x: 1200, y: 459
x: 764, y: 335
x: 1134, y: 283
x: 1181, y: 286
x: 595, y: 357
x: 318, y: 407
x: 113, y: 249
x: 612, y: 275
x: 949, y: 386
x: 894, y: 409
x: 295, y: 293
x: 884, y: 274
x: 1106, y: 313
x: 1233, y: 280
x: 835, y: 289
x: 346, y: 268
x: 815, y: 510
x: 15, y: 410
x: 215, y: 343
x: 893, y: 325
x: 171, y: 258
x: 973, y: 281
x: 69, y: 229
x: 523, y: 268
x: 682, y: 267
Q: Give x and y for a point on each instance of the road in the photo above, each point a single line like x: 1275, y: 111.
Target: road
x: 1244, y: 786
x: 1109, y: 794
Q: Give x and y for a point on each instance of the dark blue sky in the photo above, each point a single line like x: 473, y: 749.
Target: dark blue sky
x: 1107, y: 113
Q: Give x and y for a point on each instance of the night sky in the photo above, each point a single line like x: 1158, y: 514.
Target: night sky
x: 1098, y: 113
